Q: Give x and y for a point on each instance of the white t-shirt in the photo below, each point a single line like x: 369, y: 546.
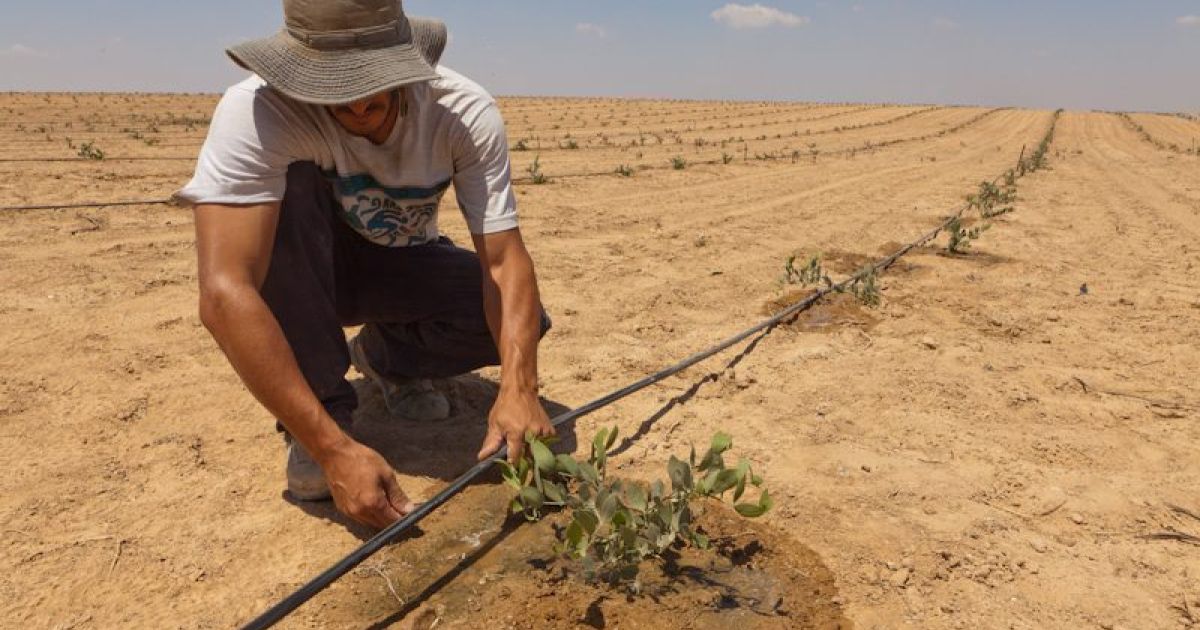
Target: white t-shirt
x: 451, y: 132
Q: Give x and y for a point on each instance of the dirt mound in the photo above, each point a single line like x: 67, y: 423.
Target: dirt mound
x: 475, y: 568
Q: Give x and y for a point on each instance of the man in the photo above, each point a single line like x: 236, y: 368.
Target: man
x: 315, y: 200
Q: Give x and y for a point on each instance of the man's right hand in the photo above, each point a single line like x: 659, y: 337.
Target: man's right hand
x: 363, y: 485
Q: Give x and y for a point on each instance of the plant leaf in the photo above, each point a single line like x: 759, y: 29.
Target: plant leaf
x: 721, y: 442
x: 724, y: 480
x: 608, y: 507
x: 612, y: 439
x: 542, y: 457
x: 681, y: 475
x: 565, y: 464
x: 588, y: 521
x: 554, y: 492
x: 743, y: 471
x: 588, y: 473
x: 531, y: 498
x: 509, y: 474
x: 755, y: 510
x: 634, y: 497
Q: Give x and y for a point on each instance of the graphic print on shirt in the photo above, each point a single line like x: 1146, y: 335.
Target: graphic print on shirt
x: 394, y: 217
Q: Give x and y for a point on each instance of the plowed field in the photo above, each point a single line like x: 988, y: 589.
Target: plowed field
x: 995, y: 445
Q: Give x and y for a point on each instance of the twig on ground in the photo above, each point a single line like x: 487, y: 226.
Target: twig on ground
x: 1050, y: 510
x: 75, y: 623
x: 116, y: 558
x: 1009, y: 510
x: 95, y: 225
x: 1154, y: 402
x: 1182, y: 510
x: 1177, y: 536
x: 378, y: 570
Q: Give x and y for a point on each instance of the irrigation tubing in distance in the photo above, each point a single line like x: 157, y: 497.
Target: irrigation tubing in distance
x: 322, y: 581
x: 75, y: 206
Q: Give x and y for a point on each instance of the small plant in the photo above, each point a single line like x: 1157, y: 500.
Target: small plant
x: 625, y: 170
x: 960, y: 237
x: 570, y: 144
x: 807, y: 274
x: 678, y: 163
x: 535, y: 171
x: 866, y: 287
x: 88, y: 150
x: 991, y: 198
x: 521, y: 145
x: 614, y: 525
x: 726, y: 158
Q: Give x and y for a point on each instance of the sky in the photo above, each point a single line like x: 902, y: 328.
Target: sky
x: 1098, y: 54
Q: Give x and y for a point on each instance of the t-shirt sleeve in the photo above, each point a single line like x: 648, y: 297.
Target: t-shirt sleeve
x: 482, y: 173
x: 245, y: 158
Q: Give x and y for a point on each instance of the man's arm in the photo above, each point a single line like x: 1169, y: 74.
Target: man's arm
x: 234, y: 249
x: 514, y: 315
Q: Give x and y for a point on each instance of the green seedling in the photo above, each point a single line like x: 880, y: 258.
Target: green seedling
x: 960, y: 237
x: 535, y: 171
x: 88, y: 150
x: 625, y: 170
x: 811, y: 272
x: 866, y: 287
x: 615, y: 525
x: 678, y: 163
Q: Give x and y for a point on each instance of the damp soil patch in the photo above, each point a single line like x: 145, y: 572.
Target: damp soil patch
x: 836, y: 310
x: 474, y: 566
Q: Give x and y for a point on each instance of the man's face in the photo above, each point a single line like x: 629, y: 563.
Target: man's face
x: 368, y: 117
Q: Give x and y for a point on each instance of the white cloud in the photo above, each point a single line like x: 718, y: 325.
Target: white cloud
x: 741, y: 16
x: 21, y: 50
x: 945, y: 24
x: 587, y: 28
x: 1188, y: 20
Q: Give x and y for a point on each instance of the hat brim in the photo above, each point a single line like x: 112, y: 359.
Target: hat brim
x: 330, y: 77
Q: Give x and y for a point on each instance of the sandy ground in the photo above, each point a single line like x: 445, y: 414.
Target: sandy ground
x: 984, y: 450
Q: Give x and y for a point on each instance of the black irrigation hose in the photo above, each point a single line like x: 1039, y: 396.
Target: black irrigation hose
x: 367, y: 549
x: 528, y: 179
x: 74, y: 206
x: 167, y: 158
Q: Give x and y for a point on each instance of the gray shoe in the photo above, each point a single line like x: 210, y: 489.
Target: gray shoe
x: 410, y: 398
x: 305, y: 480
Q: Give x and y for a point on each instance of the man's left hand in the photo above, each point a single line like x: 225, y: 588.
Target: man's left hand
x: 514, y: 415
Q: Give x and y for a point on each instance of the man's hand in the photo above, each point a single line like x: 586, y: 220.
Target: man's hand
x: 364, y: 485
x: 514, y: 314
x: 511, y: 418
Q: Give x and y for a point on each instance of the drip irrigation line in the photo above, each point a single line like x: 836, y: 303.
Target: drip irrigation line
x: 74, y: 206
x: 309, y: 590
x: 852, y: 151
x: 167, y: 158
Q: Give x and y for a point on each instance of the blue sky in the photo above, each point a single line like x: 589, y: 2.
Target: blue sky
x: 1037, y: 53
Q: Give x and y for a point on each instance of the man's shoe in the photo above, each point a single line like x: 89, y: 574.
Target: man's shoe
x: 305, y: 480
x: 410, y: 398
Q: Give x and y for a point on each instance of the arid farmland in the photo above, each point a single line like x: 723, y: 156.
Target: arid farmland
x: 1009, y: 439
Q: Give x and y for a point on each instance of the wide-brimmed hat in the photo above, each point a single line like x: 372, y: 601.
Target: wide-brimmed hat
x: 332, y: 52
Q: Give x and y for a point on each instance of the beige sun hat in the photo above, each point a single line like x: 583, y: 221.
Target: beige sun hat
x: 332, y: 52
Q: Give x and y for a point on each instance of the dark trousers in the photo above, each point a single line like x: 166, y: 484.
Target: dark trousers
x: 422, y: 306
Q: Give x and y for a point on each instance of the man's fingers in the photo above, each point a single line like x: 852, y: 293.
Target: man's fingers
x: 491, y: 443
x: 516, y: 447
x: 396, y: 497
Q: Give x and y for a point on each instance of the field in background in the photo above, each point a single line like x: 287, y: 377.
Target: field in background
x: 984, y: 449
